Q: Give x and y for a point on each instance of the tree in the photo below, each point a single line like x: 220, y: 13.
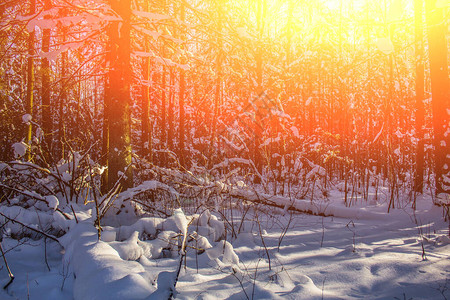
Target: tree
x: 30, y: 81
x: 260, y: 18
x: 181, y: 97
x: 47, y: 119
x: 119, y: 96
x: 219, y: 11
x: 440, y: 93
x: 420, y: 113
x: 145, y: 102
x: 62, y: 97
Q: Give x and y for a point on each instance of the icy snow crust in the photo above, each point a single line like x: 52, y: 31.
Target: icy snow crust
x: 359, y: 252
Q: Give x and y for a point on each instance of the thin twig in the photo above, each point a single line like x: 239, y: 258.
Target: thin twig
x: 30, y: 228
x: 10, y: 274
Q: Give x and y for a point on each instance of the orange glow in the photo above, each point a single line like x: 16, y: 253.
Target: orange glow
x: 264, y: 76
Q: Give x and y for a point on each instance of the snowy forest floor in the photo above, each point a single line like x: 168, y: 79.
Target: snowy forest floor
x: 395, y: 256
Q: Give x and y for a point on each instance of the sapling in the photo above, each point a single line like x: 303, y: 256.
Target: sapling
x: 285, y: 229
x: 352, y: 229
x: 262, y: 241
x: 446, y: 214
x: 404, y: 297
x: 235, y: 272
x: 65, y: 274
x: 28, y: 288
x: 323, y: 285
x: 254, y: 278
x: 443, y: 288
x: 10, y: 274
x: 182, y: 224
x: 323, y: 233
x: 421, y: 236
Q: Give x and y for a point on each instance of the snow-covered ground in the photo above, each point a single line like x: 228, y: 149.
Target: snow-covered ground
x: 376, y: 256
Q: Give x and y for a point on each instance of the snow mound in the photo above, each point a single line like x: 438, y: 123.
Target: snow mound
x: 210, y: 226
x: 203, y: 243
x: 443, y: 240
x: 129, y: 249
x: 34, y: 219
x: 305, y: 289
x: 145, y: 226
x: 224, y: 249
x: 99, y: 270
x: 165, y: 282
x: 108, y: 234
x: 52, y: 202
x: 165, y: 241
x: 244, y: 239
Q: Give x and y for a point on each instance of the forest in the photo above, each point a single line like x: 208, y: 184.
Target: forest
x: 225, y: 149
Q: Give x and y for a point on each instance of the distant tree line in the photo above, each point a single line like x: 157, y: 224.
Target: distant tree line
x: 273, y: 88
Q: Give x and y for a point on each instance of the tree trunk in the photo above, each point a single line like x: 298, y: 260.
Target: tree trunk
x: 119, y: 102
x: 163, y: 112
x: 170, y: 111
x: 181, y: 98
x: 47, y: 120
x: 145, y: 97
x: 105, y: 137
x: 30, y: 81
x: 440, y: 93
x: 145, y: 101
x: 162, y: 158
x: 257, y: 155
x: 218, y: 83
x: 420, y: 113
x: 63, y: 94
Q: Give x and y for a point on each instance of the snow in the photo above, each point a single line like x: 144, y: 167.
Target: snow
x: 129, y: 249
x: 145, y: 186
x: 385, y: 45
x: 295, y: 131
x: 243, y: 33
x: 165, y: 282
x: 164, y: 61
x: 151, y: 16
x: 108, y: 235
x: 224, y: 249
x: 19, y: 149
x: 154, y: 34
x: 180, y: 220
x: 359, y: 252
x: 99, y: 270
x: 308, y: 101
x: 315, y: 170
x: 26, y: 118
x: 52, y: 202
x: 34, y: 218
x: 203, y: 243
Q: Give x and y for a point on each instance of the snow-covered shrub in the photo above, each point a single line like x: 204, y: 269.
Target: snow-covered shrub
x: 69, y: 180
